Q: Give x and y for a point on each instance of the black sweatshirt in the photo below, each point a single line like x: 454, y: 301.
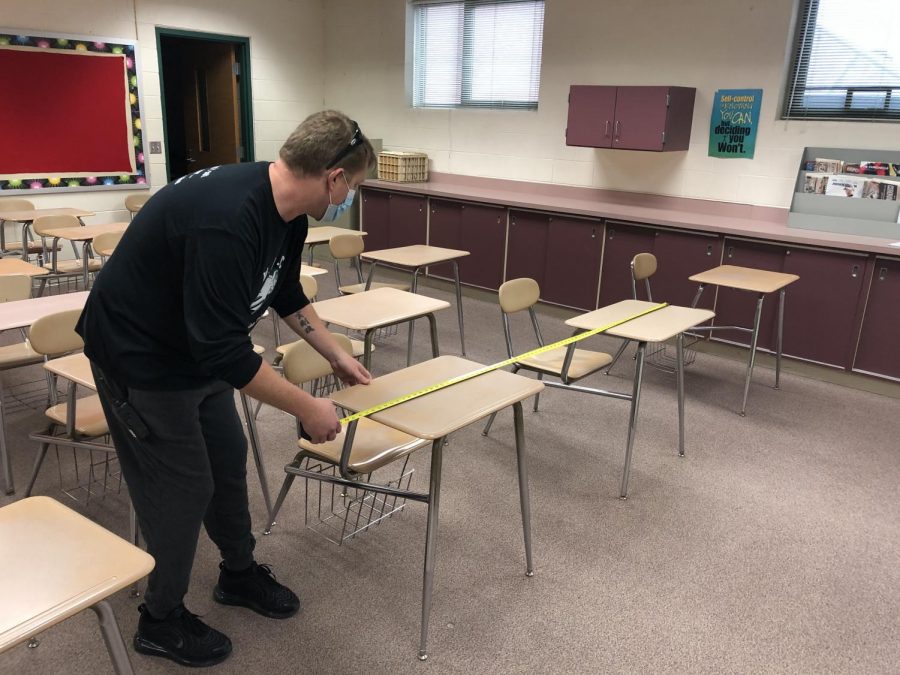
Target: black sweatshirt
x: 174, y: 305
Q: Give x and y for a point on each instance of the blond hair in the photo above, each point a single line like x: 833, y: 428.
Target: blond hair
x: 319, y: 139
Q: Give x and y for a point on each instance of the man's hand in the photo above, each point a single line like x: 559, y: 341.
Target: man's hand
x: 320, y: 420
x: 349, y: 370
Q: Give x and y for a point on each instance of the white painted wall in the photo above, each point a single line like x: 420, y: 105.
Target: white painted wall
x: 286, y: 51
x: 707, y: 44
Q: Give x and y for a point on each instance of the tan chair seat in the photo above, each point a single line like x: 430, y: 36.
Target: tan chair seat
x: 259, y: 349
x: 33, y: 246
x: 73, y: 266
x: 358, y: 347
x: 374, y: 445
x: 89, y: 417
x: 584, y: 362
x: 21, y: 354
x: 359, y: 288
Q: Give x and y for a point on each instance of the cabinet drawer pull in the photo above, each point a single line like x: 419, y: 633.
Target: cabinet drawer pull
x: 709, y: 249
x: 854, y: 271
x: 882, y: 274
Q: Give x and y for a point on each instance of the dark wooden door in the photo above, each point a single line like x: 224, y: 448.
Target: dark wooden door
x: 678, y: 256
x: 483, y: 234
x: 878, y: 350
x: 445, y: 230
x: 573, y: 262
x: 409, y: 220
x: 640, y: 118
x: 211, y: 105
x: 376, y: 219
x: 526, y: 254
x: 622, y: 243
x: 820, y: 308
x: 591, y: 116
x: 737, y: 308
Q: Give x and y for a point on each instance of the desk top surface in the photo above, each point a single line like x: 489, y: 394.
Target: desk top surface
x: 74, y: 367
x: 55, y: 563
x: 376, y: 308
x: 319, y: 234
x: 312, y: 270
x: 22, y: 313
x: 414, y: 256
x: 745, y: 278
x: 85, y: 233
x: 19, y: 266
x: 657, y: 326
x: 28, y: 215
x: 444, y: 411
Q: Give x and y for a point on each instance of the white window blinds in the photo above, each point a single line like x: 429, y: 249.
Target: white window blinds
x: 846, y: 61
x: 477, y: 53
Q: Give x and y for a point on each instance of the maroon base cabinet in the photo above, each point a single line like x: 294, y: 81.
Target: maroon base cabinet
x: 526, y: 252
x: 879, y: 342
x: 476, y: 228
x: 622, y: 243
x: 392, y: 219
x: 376, y: 218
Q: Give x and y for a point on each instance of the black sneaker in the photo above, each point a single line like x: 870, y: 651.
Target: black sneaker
x: 182, y: 637
x: 257, y: 589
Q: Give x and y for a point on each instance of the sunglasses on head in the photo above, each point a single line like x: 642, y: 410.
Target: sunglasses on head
x: 355, y: 141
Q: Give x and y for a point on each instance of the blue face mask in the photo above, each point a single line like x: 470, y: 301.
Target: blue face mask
x: 334, y: 211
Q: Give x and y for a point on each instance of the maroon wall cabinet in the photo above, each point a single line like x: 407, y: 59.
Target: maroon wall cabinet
x: 630, y: 118
x: 376, y: 218
x: 878, y: 350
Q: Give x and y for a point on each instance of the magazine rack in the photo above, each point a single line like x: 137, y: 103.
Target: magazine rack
x: 867, y: 217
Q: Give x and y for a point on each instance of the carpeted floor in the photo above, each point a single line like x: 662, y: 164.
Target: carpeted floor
x: 773, y: 546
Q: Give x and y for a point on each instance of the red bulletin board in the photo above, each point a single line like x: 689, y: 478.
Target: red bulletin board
x: 69, y: 114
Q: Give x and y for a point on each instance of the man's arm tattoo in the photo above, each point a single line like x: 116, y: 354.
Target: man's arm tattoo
x: 305, y: 325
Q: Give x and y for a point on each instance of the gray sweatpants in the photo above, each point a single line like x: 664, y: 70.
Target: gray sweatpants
x: 190, y: 469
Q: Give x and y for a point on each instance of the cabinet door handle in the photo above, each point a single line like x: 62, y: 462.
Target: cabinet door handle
x: 882, y: 274
x: 854, y: 271
x: 593, y: 233
x: 612, y: 233
x: 617, y: 131
x: 731, y: 251
x: 606, y: 133
x: 709, y: 249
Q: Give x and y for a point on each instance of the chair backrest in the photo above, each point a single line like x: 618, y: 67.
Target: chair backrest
x: 14, y: 204
x: 343, y: 246
x: 303, y: 364
x: 518, y: 294
x: 134, y: 202
x: 105, y: 243
x: 43, y: 223
x: 309, y: 285
x: 55, y: 333
x: 643, y: 266
x: 15, y: 287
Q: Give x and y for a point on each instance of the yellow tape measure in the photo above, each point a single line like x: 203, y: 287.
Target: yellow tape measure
x: 495, y: 366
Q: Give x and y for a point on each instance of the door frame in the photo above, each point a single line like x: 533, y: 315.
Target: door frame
x: 246, y: 99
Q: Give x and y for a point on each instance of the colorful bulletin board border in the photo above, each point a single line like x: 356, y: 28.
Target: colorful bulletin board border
x: 734, y: 121
x: 131, y: 173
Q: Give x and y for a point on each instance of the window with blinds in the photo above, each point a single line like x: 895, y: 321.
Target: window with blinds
x: 846, y: 61
x: 477, y: 53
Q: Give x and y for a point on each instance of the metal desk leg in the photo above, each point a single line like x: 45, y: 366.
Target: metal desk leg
x: 524, y: 494
x: 753, y: 341
x: 432, y: 322
x: 413, y: 287
x: 115, y: 645
x: 85, y: 257
x: 8, y: 486
x: 459, y: 309
x: 250, y: 421
x: 697, y: 296
x: 679, y: 378
x: 780, y: 337
x: 434, y: 499
x: 367, y: 348
x: 632, y: 418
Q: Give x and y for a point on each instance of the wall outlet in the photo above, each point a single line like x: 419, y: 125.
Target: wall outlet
x: 155, y: 147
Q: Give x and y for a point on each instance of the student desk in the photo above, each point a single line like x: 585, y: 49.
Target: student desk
x: 27, y: 216
x: 761, y: 282
x: 370, y: 310
x: 55, y: 563
x: 21, y: 314
x: 416, y: 257
x: 85, y: 235
x: 18, y: 266
x: 434, y: 417
x: 659, y: 326
x: 322, y: 234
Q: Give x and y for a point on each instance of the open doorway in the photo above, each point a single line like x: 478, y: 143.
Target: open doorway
x: 205, y: 85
